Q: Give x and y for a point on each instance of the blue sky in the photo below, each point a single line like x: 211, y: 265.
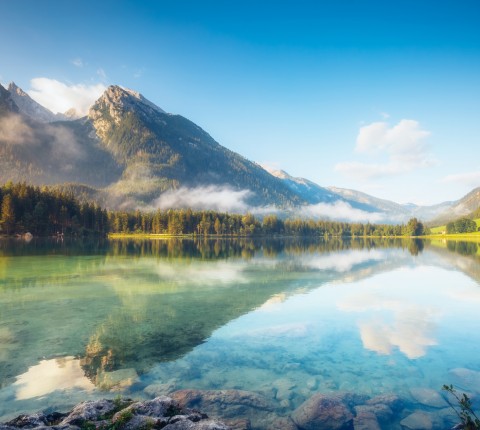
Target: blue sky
x: 378, y: 96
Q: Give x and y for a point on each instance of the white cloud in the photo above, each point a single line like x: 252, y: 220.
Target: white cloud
x: 59, y: 97
x: 403, y: 144
x: 340, y: 211
x: 219, y: 198
x: 470, y: 179
x: 400, y: 138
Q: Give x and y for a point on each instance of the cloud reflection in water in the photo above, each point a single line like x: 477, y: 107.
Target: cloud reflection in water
x: 393, y: 320
x: 47, y: 376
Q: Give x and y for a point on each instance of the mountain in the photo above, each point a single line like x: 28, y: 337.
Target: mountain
x: 395, y: 211
x: 7, y: 105
x: 161, y: 151
x: 131, y: 151
x: 381, y: 205
x: 459, y: 208
x: 127, y: 152
x: 390, y: 211
x: 308, y: 190
x: 30, y: 107
x: 51, y: 153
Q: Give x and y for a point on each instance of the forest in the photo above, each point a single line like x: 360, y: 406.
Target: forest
x: 45, y: 211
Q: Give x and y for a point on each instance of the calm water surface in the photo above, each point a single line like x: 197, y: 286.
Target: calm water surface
x: 284, y: 319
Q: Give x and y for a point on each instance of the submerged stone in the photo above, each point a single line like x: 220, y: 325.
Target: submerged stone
x: 155, y: 390
x: 394, y: 402
x: 225, y: 398
x: 366, y: 420
x: 323, y: 412
x: 239, y: 424
x: 284, y: 423
x: 382, y: 412
x: 465, y: 378
x: 419, y: 420
x: 228, y: 404
x: 428, y: 397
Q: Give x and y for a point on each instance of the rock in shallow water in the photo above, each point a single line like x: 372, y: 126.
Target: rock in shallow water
x: 323, y: 412
x: 466, y: 379
x: 394, y: 402
x: 365, y: 420
x: 428, y: 397
x: 221, y: 398
x: 419, y: 420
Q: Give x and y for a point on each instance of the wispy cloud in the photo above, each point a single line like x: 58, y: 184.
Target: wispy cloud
x: 403, y: 144
x: 102, y: 73
x: 14, y: 130
x: 219, y: 198
x: 77, y: 62
x: 340, y: 211
x: 227, y: 199
x: 470, y: 179
x: 60, y: 97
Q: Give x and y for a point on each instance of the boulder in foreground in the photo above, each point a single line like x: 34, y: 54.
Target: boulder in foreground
x: 124, y: 414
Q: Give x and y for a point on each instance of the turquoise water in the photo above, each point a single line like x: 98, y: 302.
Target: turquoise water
x: 281, y: 319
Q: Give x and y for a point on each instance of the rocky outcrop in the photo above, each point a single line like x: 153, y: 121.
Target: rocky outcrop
x: 115, y: 103
x: 162, y: 412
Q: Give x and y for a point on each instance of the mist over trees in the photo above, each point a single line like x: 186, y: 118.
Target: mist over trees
x: 45, y: 211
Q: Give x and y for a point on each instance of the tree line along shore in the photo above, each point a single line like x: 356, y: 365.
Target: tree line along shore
x: 50, y: 211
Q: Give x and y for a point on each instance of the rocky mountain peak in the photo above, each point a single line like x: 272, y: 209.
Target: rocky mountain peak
x: 115, y: 103
x: 13, y: 88
x: 30, y: 107
x: 70, y: 114
x: 7, y: 104
x: 116, y: 97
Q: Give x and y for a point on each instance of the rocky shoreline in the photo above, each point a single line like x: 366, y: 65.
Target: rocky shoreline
x: 120, y: 414
x: 245, y: 410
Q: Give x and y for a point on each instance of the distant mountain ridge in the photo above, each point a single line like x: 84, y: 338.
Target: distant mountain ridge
x: 127, y: 152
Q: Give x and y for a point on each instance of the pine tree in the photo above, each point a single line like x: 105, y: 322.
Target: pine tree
x: 7, y: 214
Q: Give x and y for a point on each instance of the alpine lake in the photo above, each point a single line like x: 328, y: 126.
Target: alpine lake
x: 247, y: 330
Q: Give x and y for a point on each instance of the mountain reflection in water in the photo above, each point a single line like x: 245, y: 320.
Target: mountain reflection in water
x: 91, y: 317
